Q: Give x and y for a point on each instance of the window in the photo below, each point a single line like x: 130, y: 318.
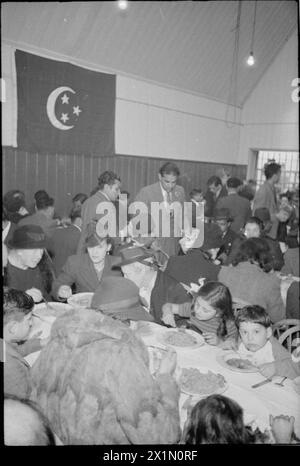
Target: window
x: 289, y: 162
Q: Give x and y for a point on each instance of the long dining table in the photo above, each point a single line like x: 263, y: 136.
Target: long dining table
x: 257, y: 403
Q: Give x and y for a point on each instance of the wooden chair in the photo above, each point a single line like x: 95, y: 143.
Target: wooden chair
x: 283, y: 325
x: 290, y: 339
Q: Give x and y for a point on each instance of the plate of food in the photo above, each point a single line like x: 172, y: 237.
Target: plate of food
x: 50, y: 309
x: 187, y: 339
x: 201, y: 382
x: 81, y: 300
x: 235, y: 362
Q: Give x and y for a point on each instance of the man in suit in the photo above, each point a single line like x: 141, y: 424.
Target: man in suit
x: 224, y: 221
x: 214, y: 192
x: 239, y: 207
x: 266, y: 195
x: 43, y: 217
x: 65, y: 241
x: 170, y: 196
x: 109, y: 185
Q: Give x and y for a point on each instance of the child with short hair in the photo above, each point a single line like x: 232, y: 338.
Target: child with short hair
x: 260, y: 347
x: 210, y: 313
x: 17, y: 322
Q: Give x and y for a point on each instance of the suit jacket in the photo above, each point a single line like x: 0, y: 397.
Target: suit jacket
x: 239, y: 207
x: 80, y: 271
x: 153, y: 193
x: 64, y: 245
x: 227, y: 242
x: 266, y: 197
x: 211, y: 201
x: 39, y: 218
x: 88, y: 214
x: 251, y: 284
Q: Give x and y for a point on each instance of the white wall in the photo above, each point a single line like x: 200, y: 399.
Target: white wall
x: 156, y: 121
x: 270, y: 118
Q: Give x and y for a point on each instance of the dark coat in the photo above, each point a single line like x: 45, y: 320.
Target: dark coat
x: 211, y: 201
x: 239, y: 208
x: 80, y: 271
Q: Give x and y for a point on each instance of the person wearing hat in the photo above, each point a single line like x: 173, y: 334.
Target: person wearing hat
x: 239, y: 207
x: 14, y: 202
x: 43, y: 216
x: 118, y: 297
x: 29, y: 267
x: 224, y: 221
x: 85, y: 271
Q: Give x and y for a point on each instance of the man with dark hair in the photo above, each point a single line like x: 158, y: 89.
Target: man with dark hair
x: 109, y: 185
x: 239, y: 207
x: 214, y: 192
x: 266, y: 194
x: 166, y: 191
x: 14, y: 202
x: 43, y: 216
x: 24, y: 424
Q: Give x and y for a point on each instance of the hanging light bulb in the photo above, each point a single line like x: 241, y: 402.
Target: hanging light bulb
x: 122, y: 4
x: 250, y: 59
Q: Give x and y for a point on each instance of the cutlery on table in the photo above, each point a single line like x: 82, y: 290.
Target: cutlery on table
x: 281, y: 384
x: 262, y: 383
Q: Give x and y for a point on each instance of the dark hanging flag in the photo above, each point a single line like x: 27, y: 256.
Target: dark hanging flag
x: 63, y: 108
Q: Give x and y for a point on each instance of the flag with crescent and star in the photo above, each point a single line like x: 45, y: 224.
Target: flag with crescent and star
x: 63, y: 108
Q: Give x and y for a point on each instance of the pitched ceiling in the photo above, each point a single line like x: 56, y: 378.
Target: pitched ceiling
x: 187, y: 44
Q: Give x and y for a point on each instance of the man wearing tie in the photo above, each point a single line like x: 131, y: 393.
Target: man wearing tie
x: 166, y: 192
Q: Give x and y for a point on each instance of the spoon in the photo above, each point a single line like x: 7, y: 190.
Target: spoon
x: 281, y: 383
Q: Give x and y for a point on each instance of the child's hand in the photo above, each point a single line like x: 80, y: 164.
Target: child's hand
x: 282, y: 428
x: 64, y: 292
x: 35, y: 294
x: 210, y: 338
x: 167, y: 315
x: 268, y: 369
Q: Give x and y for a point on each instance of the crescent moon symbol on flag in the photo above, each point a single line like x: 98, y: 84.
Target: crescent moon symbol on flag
x: 51, y: 107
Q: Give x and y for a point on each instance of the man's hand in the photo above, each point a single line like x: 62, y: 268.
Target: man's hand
x: 282, y: 428
x: 35, y: 294
x: 64, y: 292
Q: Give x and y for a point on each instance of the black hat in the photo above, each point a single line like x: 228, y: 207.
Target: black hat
x: 129, y: 254
x: 28, y: 237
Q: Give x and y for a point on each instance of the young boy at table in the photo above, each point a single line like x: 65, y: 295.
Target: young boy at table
x: 259, y: 346
x: 17, y: 322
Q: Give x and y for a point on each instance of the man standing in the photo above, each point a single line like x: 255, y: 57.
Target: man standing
x: 239, y: 207
x: 215, y: 191
x: 166, y: 191
x: 109, y: 185
x: 266, y: 195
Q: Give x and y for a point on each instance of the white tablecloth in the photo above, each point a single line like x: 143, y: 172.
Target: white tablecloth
x: 257, y: 403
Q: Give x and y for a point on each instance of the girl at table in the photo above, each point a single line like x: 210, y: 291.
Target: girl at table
x: 210, y: 313
x: 85, y: 271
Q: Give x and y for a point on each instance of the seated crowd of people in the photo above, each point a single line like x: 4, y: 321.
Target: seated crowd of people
x: 91, y: 383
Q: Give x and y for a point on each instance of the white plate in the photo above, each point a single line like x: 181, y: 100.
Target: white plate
x: 53, y: 309
x: 203, y: 370
x: 81, y: 300
x: 163, y: 338
x: 223, y: 357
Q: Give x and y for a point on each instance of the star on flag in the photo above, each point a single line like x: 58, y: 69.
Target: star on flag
x: 65, y: 99
x: 64, y: 117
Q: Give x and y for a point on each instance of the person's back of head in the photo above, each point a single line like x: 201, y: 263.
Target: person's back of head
x: 255, y: 251
x: 107, y: 178
x: 24, y: 424
x: 80, y: 197
x: 75, y: 217
x: 219, y: 420
x: 196, y: 194
x: 13, y: 200
x: 233, y: 183
x: 272, y: 169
